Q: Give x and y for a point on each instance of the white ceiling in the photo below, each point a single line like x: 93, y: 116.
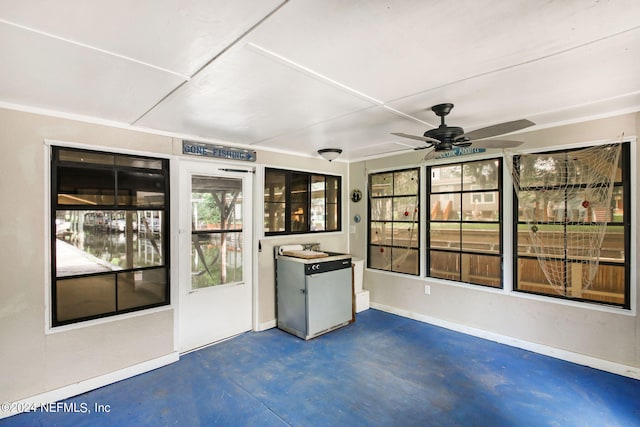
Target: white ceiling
x: 301, y: 75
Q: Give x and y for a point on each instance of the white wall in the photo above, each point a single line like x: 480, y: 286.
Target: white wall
x: 38, y: 362
x: 33, y: 360
x: 334, y: 241
x: 580, y: 332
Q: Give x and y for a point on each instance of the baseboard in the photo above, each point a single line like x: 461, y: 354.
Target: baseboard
x: 580, y: 359
x: 267, y: 325
x: 71, y: 390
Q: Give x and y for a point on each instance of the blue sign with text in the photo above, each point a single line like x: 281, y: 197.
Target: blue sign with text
x: 217, y: 151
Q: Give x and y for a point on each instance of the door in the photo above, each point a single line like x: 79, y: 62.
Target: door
x: 215, y: 300
x: 329, y: 300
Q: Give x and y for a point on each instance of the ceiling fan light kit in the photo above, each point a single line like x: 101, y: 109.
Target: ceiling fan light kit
x: 330, y: 153
x: 445, y: 137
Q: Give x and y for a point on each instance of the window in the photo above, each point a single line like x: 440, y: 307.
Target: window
x: 464, y: 241
x: 563, y: 222
x: 109, y: 242
x: 298, y: 202
x: 394, y: 225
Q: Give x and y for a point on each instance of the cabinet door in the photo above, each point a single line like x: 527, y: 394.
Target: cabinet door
x: 291, y: 297
x: 328, y: 300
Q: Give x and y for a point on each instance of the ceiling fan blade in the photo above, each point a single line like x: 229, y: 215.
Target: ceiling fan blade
x: 496, y: 143
x: 419, y: 138
x: 499, y: 129
x: 423, y: 148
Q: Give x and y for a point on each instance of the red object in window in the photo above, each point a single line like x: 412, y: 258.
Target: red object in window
x: 585, y: 204
x: 381, y: 249
x: 406, y: 213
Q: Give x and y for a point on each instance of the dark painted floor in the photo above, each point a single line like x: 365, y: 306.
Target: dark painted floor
x: 383, y: 370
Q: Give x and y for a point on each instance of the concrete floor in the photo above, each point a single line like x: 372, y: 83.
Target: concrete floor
x: 383, y: 370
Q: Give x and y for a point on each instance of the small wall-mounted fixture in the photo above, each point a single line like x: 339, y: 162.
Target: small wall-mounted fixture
x: 330, y: 153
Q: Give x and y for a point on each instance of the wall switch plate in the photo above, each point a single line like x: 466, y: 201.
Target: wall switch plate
x: 352, y: 229
x: 427, y: 289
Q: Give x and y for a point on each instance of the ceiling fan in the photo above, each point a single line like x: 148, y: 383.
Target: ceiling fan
x: 446, y: 137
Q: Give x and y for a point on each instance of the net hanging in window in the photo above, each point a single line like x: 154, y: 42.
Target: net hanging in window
x: 564, y: 205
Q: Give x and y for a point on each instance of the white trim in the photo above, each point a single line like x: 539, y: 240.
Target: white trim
x: 47, y: 240
x: 174, y: 249
x: 580, y: 359
x: 263, y: 326
x: 258, y: 233
x: 106, y: 149
x: 81, y: 387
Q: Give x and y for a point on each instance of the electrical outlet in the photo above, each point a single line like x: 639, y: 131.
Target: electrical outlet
x: 427, y: 289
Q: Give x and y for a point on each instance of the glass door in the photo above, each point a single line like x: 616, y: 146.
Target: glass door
x: 215, y: 239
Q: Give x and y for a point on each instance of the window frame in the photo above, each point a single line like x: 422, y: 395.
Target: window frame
x: 53, y: 164
x: 470, y: 193
x: 626, y: 223
x: 417, y: 220
x: 289, y: 176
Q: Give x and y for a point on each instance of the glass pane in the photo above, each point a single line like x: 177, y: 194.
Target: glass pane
x: 541, y: 170
x: 139, y: 162
x: 480, y: 175
x: 141, y: 189
x: 333, y: 189
x: 483, y: 206
x: 583, y: 242
x: 274, y: 217
x: 405, y: 260
x: 548, y: 206
x: 444, y: 265
x: 547, y: 240
x: 216, y: 203
x: 318, y: 204
x: 481, y: 270
x: 405, y: 235
x: 274, y: 186
x: 592, y: 165
x: 142, y: 288
x: 299, y: 196
x: 85, y: 297
x: 99, y: 241
x: 89, y: 157
x: 382, y: 209
x: 332, y: 217
x: 617, y: 204
x: 613, y: 244
x: 151, y: 222
x: 481, y: 237
x: 405, y: 208
x: 381, y: 232
x: 607, y: 285
x: 380, y: 257
x: 381, y: 184
x: 406, y: 182
x: 216, y: 259
x: 531, y: 277
x: 443, y: 235
x: 446, y: 178
x: 82, y: 186
x: 445, y: 207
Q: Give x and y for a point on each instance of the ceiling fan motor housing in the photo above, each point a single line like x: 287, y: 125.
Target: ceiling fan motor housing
x: 446, y: 135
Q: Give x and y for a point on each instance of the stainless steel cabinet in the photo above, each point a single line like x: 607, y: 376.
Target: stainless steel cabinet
x: 313, y: 300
